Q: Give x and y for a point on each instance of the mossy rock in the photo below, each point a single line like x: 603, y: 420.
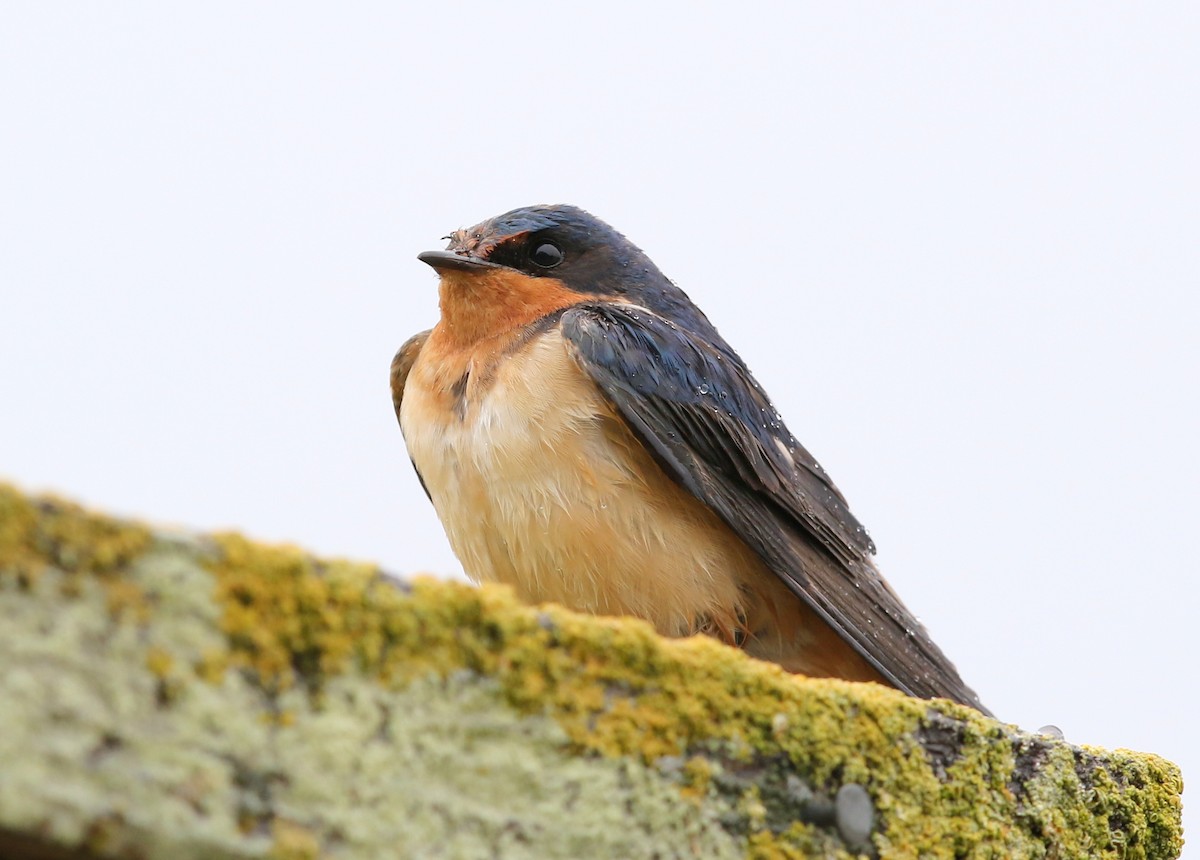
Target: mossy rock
x: 172, y: 696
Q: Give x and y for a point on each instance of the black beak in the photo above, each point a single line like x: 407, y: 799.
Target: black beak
x: 453, y: 260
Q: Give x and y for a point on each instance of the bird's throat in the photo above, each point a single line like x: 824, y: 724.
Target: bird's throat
x: 480, y: 306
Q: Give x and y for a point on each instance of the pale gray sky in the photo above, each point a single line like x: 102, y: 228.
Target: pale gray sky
x: 958, y: 244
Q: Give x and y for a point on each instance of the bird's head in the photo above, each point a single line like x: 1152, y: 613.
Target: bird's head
x: 562, y: 243
x: 538, y: 259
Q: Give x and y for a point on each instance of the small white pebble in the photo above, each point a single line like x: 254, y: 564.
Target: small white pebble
x: 855, y: 815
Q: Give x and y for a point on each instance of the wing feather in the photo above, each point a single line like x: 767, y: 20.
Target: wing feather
x: 697, y: 408
x: 402, y: 365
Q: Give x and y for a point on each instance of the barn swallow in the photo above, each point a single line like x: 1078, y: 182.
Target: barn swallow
x: 587, y: 437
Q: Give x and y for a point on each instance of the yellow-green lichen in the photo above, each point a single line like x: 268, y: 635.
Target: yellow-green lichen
x: 617, y: 689
x: 798, y: 842
x: 96, y: 759
x: 290, y: 619
x: 39, y: 533
x: 293, y: 842
x: 726, y: 733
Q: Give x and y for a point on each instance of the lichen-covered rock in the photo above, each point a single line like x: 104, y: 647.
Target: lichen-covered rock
x: 167, y: 696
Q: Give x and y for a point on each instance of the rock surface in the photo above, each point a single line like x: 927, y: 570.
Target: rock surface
x: 172, y: 696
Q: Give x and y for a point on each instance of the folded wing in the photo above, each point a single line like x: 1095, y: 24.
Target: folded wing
x: 696, y: 407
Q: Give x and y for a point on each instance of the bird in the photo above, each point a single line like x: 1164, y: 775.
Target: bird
x: 588, y: 438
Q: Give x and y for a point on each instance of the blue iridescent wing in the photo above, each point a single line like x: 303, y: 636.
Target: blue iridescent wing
x: 696, y: 407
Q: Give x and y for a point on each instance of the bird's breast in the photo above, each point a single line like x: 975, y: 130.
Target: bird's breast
x: 540, y: 485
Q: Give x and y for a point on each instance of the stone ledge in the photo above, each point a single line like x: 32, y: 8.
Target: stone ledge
x: 172, y: 696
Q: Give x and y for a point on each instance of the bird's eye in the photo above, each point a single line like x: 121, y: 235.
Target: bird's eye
x: 546, y: 255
